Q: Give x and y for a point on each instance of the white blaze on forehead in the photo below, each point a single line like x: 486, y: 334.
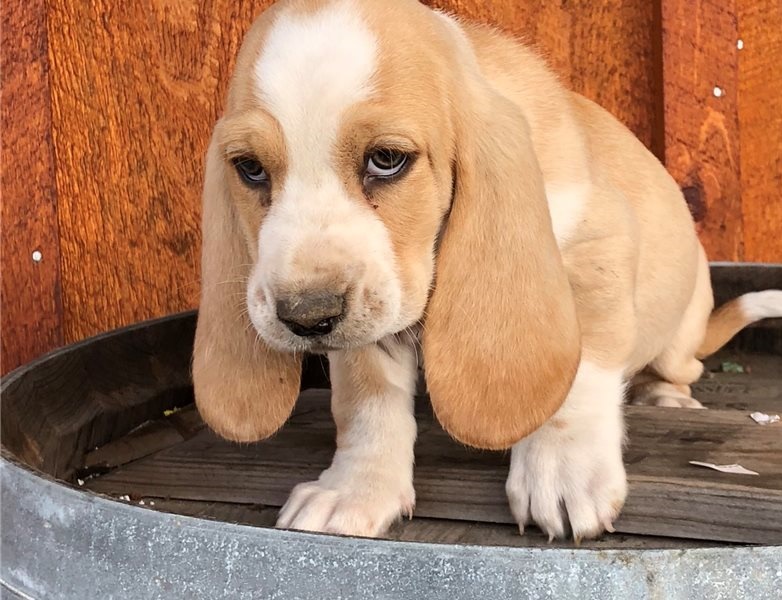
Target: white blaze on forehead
x: 312, y: 68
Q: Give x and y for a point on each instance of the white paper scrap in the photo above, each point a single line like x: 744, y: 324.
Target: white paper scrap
x: 735, y: 469
x: 764, y: 419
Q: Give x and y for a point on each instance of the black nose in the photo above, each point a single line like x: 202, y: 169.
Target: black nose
x: 309, y: 315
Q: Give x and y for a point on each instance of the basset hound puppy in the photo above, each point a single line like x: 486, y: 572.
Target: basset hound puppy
x: 387, y: 183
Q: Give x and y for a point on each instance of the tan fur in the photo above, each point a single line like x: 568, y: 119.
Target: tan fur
x: 639, y: 275
x: 370, y: 481
x: 636, y: 240
x: 507, y: 309
x: 485, y: 392
x: 244, y: 390
x: 724, y: 323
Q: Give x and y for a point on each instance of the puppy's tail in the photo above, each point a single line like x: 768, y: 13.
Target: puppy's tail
x: 735, y: 315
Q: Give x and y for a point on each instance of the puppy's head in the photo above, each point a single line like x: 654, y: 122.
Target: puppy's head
x: 357, y: 138
x: 337, y: 152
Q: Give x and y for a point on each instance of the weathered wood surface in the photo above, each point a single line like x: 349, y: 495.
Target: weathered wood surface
x: 421, y: 529
x: 700, y: 78
x: 760, y: 127
x: 608, y: 51
x: 94, y: 392
x: 88, y: 394
x: 668, y: 496
x: 758, y: 389
x: 144, y: 440
x: 31, y: 316
x: 99, y: 393
x: 107, y: 108
x: 136, y: 89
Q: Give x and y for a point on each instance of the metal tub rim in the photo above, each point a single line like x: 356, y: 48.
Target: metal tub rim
x: 61, y: 542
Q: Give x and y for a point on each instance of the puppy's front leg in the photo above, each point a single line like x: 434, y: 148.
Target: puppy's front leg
x: 370, y: 481
x: 569, y: 475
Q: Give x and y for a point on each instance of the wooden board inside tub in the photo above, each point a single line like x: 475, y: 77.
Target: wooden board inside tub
x: 176, y: 459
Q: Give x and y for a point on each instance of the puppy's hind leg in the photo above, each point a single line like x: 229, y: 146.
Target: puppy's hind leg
x: 677, y: 367
x: 647, y: 389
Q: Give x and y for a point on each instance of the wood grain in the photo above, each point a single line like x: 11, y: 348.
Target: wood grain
x: 608, y: 51
x: 136, y: 88
x: 760, y: 127
x: 107, y: 108
x: 31, y: 303
x: 57, y: 410
x: 88, y: 394
x: 701, y: 128
x: 421, y: 529
x: 668, y: 496
x: 759, y: 388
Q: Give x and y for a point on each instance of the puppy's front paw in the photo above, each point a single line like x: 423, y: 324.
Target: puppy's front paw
x: 565, y: 479
x: 349, y: 500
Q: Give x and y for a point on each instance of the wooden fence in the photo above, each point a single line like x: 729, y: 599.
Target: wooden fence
x: 107, y: 108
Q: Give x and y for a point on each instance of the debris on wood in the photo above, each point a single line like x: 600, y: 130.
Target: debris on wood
x: 734, y: 469
x: 732, y: 367
x: 764, y: 419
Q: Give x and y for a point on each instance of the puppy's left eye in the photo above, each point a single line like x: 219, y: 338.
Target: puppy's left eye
x: 250, y: 170
x: 386, y: 162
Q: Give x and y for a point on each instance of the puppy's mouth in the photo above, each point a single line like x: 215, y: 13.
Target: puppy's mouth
x: 321, y: 348
x: 287, y: 341
x: 314, y: 337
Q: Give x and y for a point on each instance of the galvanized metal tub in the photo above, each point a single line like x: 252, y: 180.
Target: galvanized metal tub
x: 60, y: 541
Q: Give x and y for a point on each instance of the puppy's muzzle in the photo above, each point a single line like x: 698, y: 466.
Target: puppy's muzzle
x: 311, y: 314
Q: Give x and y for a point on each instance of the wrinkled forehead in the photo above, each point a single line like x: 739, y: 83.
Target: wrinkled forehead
x: 313, y: 66
x: 307, y: 63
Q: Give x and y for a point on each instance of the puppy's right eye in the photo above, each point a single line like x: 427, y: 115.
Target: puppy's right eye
x: 250, y: 170
x: 385, y: 163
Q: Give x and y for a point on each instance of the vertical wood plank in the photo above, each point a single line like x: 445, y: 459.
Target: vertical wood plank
x: 31, y: 304
x: 136, y: 88
x: 607, y: 50
x: 700, y: 86
x: 760, y: 127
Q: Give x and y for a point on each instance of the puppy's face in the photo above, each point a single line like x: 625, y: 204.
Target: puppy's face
x: 337, y: 149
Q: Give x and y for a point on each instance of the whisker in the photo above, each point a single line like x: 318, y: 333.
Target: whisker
x: 231, y: 281
x: 413, y: 343
x: 325, y: 373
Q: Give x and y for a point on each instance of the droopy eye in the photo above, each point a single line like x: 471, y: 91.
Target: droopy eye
x: 250, y: 170
x: 385, y: 162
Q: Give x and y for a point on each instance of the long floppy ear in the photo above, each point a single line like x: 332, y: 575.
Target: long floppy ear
x: 244, y: 390
x: 501, y: 339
